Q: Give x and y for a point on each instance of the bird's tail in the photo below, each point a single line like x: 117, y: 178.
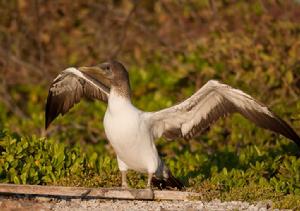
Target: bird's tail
x: 168, y: 181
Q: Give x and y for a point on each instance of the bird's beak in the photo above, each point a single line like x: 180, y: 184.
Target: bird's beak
x: 97, y: 73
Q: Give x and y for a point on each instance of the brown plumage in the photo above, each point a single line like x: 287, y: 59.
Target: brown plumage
x: 68, y: 89
x: 213, y: 101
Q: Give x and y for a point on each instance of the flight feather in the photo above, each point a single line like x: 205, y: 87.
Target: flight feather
x: 68, y: 88
x: 213, y: 101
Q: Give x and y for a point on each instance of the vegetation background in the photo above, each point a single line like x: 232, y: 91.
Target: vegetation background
x: 171, y: 48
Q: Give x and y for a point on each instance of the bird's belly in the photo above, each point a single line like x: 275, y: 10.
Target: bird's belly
x: 131, y: 141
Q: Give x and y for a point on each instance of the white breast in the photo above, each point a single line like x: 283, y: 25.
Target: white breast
x: 129, y: 134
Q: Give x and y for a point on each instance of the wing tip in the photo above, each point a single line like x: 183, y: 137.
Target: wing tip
x: 47, y: 123
x: 296, y: 139
x: 167, y: 183
x: 290, y: 132
x: 49, y: 117
x: 47, y: 120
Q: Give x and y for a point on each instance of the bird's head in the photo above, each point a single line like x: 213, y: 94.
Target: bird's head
x: 111, y: 73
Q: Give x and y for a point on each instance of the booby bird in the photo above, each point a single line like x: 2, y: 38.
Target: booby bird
x: 132, y: 132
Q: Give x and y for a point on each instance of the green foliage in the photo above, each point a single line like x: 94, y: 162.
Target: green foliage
x: 36, y: 160
x: 32, y: 160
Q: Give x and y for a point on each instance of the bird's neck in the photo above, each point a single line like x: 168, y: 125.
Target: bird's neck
x: 121, y: 88
x: 118, y: 99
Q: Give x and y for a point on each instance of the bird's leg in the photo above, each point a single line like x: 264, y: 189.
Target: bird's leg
x: 149, y: 194
x: 150, y: 175
x: 124, y: 179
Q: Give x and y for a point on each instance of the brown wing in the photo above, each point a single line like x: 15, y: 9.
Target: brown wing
x: 68, y: 88
x: 207, y: 105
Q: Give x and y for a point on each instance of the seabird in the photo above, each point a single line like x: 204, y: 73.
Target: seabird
x: 132, y: 132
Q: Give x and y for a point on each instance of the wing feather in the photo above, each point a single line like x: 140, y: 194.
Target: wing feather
x: 68, y: 88
x: 213, y: 101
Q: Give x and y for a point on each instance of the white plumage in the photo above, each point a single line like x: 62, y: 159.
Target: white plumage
x: 128, y: 133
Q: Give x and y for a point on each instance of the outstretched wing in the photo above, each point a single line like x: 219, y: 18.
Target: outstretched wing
x: 68, y: 88
x: 208, y: 104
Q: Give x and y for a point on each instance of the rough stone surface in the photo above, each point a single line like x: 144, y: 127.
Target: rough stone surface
x: 8, y: 203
